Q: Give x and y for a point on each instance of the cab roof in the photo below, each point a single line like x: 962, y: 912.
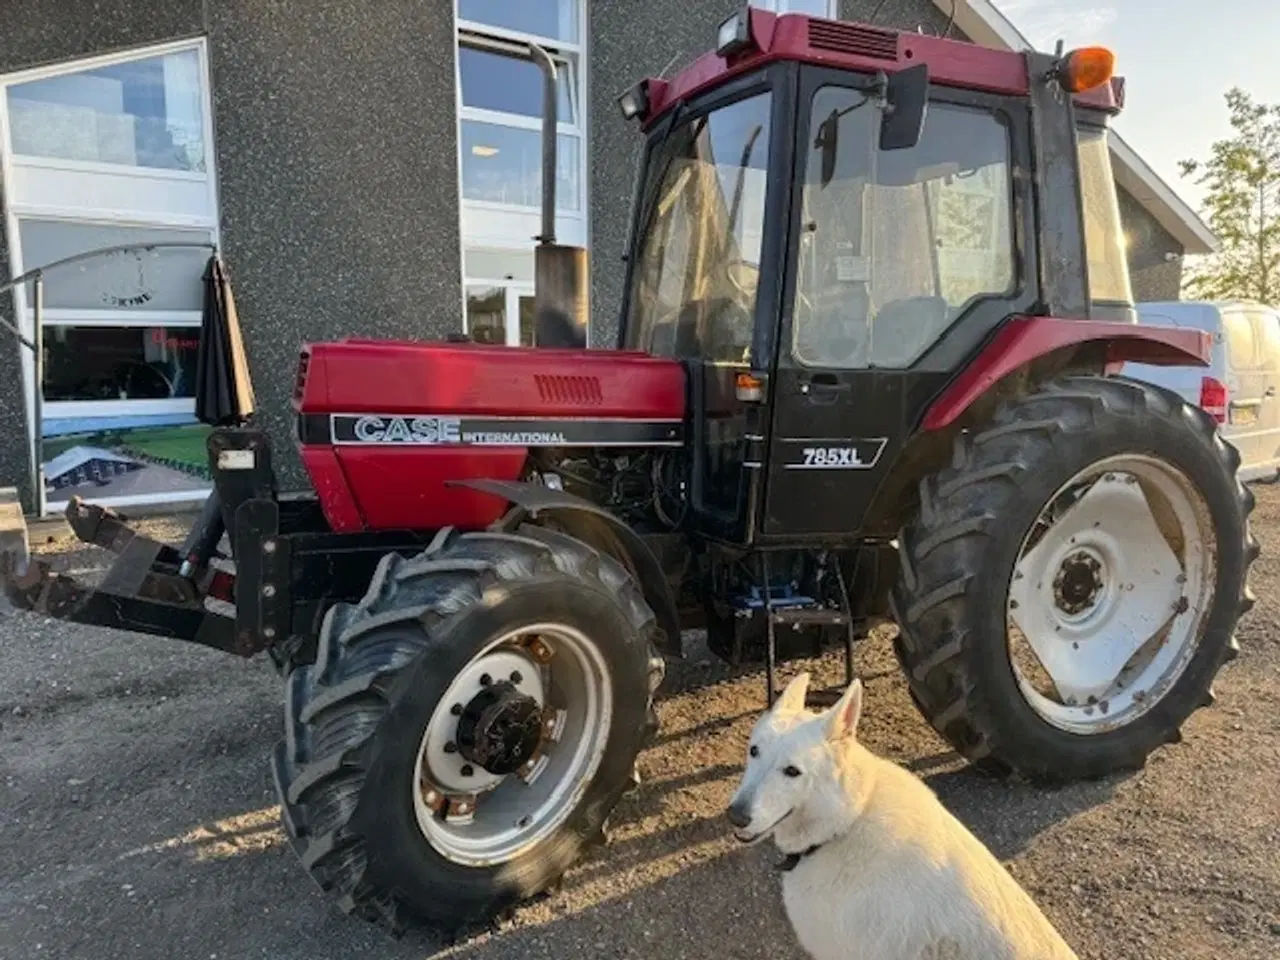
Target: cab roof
x: 856, y: 47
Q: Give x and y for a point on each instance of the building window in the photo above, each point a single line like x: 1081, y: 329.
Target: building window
x: 98, y: 153
x: 143, y: 113
x: 500, y: 111
x: 814, y: 8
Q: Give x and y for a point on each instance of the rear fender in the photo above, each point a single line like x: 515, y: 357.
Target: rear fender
x: 601, y: 529
x: 1024, y: 351
x: 1024, y: 340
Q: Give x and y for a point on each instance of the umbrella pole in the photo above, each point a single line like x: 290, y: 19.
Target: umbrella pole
x: 37, y: 406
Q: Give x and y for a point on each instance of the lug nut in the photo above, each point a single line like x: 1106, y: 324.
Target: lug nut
x: 466, y: 770
x: 517, y: 676
x: 450, y: 747
x: 456, y: 709
x: 485, y: 680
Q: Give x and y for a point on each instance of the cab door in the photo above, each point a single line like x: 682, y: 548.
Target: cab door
x: 899, y: 271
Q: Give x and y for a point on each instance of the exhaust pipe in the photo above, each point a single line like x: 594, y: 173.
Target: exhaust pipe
x: 559, y: 272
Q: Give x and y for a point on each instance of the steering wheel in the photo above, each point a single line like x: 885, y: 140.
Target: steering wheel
x: 744, y: 277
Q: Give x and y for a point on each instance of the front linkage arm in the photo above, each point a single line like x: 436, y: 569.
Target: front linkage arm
x: 153, y: 588
x: 289, y: 566
x: 142, y: 592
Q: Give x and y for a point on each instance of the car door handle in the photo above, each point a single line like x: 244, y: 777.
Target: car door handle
x: 822, y: 381
x: 823, y: 387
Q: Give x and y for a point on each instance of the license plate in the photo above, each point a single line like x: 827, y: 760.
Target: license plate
x: 1244, y: 415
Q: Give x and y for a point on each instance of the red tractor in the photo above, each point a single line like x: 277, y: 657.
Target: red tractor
x: 876, y: 298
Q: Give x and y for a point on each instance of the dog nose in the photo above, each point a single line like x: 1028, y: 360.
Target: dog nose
x: 739, y: 815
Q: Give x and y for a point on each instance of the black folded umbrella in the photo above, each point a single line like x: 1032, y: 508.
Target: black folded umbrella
x: 224, y: 391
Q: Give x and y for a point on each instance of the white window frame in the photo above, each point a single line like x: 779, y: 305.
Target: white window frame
x: 512, y: 227
x: 105, y: 214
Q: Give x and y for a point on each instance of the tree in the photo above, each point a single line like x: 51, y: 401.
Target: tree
x: 1242, y: 177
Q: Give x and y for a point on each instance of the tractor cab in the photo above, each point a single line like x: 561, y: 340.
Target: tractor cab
x: 831, y: 220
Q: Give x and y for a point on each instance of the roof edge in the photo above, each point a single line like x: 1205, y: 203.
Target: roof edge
x: 983, y: 23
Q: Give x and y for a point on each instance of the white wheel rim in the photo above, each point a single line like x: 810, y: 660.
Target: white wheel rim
x: 1110, y: 593
x: 483, y: 819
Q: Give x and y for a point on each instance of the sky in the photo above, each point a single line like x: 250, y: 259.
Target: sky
x: 1178, y: 58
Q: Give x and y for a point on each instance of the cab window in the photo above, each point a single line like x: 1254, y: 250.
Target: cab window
x: 895, y: 246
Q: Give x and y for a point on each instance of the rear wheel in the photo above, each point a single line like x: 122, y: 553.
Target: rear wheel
x: 1072, y: 582
x: 468, y: 727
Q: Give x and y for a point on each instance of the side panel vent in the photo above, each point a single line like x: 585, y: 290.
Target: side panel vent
x: 851, y: 38
x: 300, y: 380
x: 568, y: 389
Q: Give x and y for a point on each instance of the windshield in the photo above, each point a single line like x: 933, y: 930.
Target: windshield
x: 895, y: 246
x: 693, y: 290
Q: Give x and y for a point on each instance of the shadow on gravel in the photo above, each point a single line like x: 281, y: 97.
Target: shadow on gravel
x: 673, y: 917
x: 1006, y: 815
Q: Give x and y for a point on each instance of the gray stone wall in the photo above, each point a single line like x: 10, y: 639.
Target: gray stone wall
x: 337, y: 162
x: 337, y: 169
x: 629, y: 42
x: 1154, y: 275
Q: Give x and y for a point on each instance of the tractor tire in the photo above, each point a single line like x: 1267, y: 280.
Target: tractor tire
x: 352, y: 770
x: 959, y: 570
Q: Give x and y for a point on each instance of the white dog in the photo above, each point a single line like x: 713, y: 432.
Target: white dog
x: 876, y: 868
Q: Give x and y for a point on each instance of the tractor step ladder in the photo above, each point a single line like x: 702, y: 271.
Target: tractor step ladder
x: 798, y: 619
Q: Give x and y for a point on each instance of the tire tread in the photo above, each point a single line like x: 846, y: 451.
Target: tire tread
x: 334, y: 708
x: 956, y: 524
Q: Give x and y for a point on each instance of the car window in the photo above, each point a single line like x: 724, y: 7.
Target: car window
x: 1241, y: 349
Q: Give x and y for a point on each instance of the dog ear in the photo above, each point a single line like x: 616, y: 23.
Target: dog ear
x: 843, y: 720
x: 792, y: 699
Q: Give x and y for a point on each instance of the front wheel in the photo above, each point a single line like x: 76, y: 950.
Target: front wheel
x: 1071, y: 584
x: 468, y: 727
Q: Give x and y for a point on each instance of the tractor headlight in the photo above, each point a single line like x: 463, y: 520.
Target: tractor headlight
x: 734, y: 35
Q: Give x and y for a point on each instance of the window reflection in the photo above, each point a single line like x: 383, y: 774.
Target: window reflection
x: 546, y: 18
x: 504, y: 165
x: 487, y: 314
x: 697, y: 266
x: 119, y: 363
x: 144, y: 113
x: 505, y: 83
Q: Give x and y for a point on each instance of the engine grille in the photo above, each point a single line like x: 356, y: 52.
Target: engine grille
x: 555, y: 388
x: 852, y: 38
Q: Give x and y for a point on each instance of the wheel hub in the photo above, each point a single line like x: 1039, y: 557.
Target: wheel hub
x: 1078, y: 583
x: 500, y: 729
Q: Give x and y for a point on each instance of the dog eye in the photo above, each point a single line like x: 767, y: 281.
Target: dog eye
x: 792, y: 771
x: 754, y: 751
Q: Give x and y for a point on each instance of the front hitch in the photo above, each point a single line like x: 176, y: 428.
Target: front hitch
x: 142, y: 592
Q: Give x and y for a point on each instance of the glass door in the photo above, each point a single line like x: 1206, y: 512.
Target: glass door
x: 520, y: 309
x: 500, y: 313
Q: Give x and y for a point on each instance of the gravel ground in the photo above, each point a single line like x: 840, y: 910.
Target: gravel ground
x: 137, y: 818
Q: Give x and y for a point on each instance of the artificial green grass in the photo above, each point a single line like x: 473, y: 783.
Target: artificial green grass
x: 184, y: 444
x: 181, y: 444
